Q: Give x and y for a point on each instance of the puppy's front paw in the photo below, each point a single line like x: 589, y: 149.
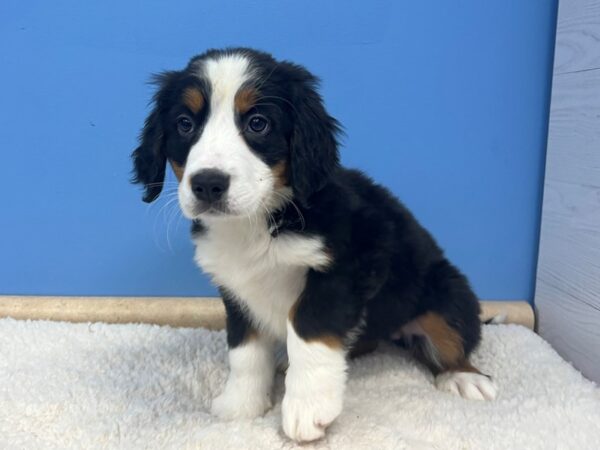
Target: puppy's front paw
x: 237, y: 403
x: 306, y: 418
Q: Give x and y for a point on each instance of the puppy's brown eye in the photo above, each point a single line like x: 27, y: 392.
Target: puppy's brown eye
x: 185, y: 125
x: 258, y: 124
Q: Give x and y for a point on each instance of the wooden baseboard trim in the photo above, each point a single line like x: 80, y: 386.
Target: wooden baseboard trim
x: 207, y: 312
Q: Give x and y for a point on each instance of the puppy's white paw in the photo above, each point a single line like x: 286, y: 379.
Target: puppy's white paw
x: 247, y: 393
x: 238, y: 403
x: 306, y: 418
x: 469, y: 385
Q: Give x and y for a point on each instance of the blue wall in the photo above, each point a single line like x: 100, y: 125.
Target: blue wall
x: 445, y: 102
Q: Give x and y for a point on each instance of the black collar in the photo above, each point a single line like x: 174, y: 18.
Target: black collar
x: 288, y: 218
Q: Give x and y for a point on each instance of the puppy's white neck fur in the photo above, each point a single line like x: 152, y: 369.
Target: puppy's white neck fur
x: 266, y: 274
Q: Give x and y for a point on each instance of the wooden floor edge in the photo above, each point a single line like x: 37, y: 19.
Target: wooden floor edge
x: 207, y: 312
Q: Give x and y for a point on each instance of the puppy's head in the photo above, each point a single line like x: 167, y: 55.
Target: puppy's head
x: 242, y: 132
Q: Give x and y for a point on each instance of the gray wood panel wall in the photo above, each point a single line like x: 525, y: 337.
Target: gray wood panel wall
x: 567, y: 295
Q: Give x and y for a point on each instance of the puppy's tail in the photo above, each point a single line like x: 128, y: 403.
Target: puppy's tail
x: 495, y: 320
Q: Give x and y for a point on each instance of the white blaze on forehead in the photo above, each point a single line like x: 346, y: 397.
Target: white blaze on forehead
x: 226, y: 75
x: 220, y: 140
x: 221, y: 145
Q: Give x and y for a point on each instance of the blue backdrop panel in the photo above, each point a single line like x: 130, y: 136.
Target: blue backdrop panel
x: 444, y: 102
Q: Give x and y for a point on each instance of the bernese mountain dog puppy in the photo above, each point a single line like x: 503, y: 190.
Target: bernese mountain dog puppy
x: 304, y: 251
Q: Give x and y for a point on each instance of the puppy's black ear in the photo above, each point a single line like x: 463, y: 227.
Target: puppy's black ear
x: 313, y: 144
x: 149, y: 159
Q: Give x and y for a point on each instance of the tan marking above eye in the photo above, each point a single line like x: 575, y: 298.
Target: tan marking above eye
x: 193, y: 99
x: 245, y: 99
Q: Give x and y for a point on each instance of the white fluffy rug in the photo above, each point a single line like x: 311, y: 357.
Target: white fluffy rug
x: 141, y: 386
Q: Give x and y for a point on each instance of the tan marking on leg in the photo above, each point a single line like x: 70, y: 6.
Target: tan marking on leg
x: 293, y: 310
x: 193, y: 99
x: 177, y: 169
x: 251, y: 335
x: 279, y: 171
x: 465, y: 366
x: 329, y: 340
x: 444, y: 338
x: 245, y: 99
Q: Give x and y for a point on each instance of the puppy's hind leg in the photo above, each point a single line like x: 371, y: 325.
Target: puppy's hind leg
x: 440, y: 347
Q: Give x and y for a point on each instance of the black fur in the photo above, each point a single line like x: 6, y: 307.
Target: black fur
x: 313, y: 143
x: 387, y: 270
x: 149, y: 159
x: 238, y: 326
x: 386, y: 267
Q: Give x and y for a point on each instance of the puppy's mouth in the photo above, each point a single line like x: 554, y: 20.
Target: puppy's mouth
x: 229, y: 206
x: 214, y: 209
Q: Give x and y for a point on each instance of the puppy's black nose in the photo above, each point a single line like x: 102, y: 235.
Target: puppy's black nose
x: 209, y: 185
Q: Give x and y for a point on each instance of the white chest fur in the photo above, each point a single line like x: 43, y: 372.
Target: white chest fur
x: 266, y: 274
